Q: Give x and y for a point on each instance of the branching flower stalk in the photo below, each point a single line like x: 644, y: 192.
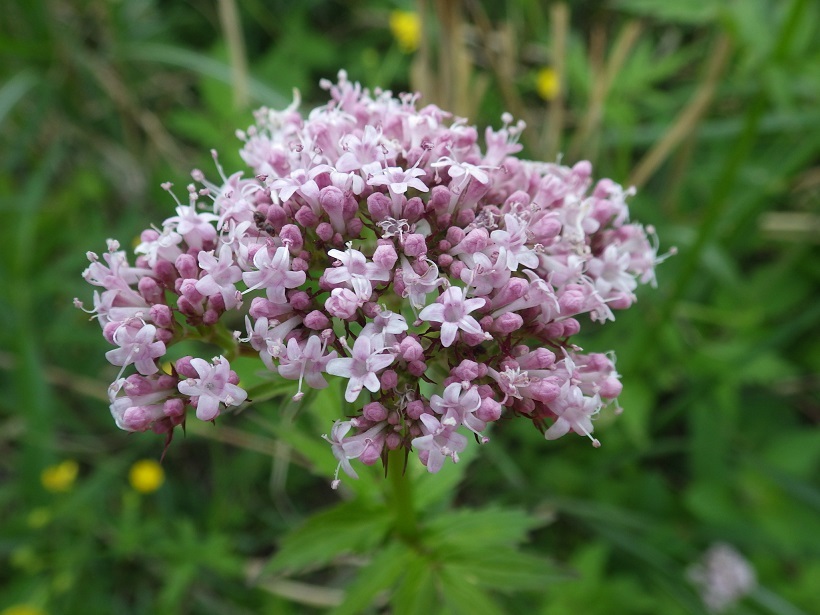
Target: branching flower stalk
x: 377, y: 242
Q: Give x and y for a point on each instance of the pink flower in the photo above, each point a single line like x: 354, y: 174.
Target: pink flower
x: 221, y: 275
x: 137, y: 346
x: 347, y: 448
x: 274, y: 274
x: 439, y: 442
x: 453, y: 312
x: 212, y: 387
x: 366, y: 360
x: 305, y: 360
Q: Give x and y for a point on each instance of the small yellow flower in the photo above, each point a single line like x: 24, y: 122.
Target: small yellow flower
x: 60, y: 477
x: 146, y: 476
x: 548, y: 83
x: 406, y: 29
x: 22, y: 609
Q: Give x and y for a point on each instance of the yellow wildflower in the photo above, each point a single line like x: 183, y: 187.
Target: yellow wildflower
x: 60, y: 477
x: 548, y: 83
x: 406, y: 29
x: 146, y: 476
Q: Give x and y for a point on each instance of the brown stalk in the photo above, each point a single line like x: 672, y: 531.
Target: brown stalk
x: 688, y: 119
x: 559, y: 28
x: 603, y: 80
x: 232, y: 29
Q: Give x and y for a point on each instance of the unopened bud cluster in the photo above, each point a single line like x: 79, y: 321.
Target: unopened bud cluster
x: 378, y: 243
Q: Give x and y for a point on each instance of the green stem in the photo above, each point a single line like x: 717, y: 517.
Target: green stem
x: 400, y: 498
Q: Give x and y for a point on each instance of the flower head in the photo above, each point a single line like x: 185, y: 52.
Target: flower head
x: 374, y: 240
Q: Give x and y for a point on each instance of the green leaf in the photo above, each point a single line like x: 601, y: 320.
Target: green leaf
x: 346, y: 528
x: 379, y: 575
x: 466, y: 598
x: 488, y: 527
x: 416, y: 594
x: 503, y: 569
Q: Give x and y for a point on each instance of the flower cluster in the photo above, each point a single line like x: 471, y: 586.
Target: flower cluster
x: 378, y: 243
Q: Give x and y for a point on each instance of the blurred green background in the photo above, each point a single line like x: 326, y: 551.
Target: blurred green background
x: 711, y: 108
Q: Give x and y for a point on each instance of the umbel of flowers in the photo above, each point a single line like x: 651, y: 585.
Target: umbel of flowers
x: 377, y: 242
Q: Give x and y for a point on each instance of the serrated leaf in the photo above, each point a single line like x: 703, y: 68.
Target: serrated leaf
x: 416, y: 594
x: 503, y: 569
x: 460, y: 597
x: 487, y: 527
x: 379, y: 575
x: 346, y: 528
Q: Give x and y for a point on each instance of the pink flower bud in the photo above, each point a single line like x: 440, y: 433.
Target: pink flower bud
x: 291, y: 236
x: 385, y: 256
x: 610, y: 388
x: 465, y: 217
x: 188, y: 289
x: 342, y: 303
x: 415, y: 245
x: 109, y: 330
x: 415, y: 409
x: 185, y: 369
x: 392, y: 441
x: 299, y: 300
x: 417, y: 368
x: 332, y: 201
x: 150, y: 290
x: 263, y: 308
x: 353, y: 227
x: 378, y: 205
x: 374, y: 411
x: 440, y: 197
x: 173, y: 407
x: 572, y: 300
x: 373, y: 452
x: 389, y: 380
x: 187, y: 267
x: 455, y: 236
x: 540, y: 358
x: 620, y: 301
x: 317, y: 321
x: 519, y: 197
x: 306, y: 217
x: 466, y: 370
x: 475, y: 241
x: 164, y: 335
x: 489, y: 410
x: 507, y: 323
x: 413, y: 209
x: 571, y: 327
x: 276, y: 216
x: 544, y: 390
x: 324, y: 231
x: 410, y: 349
x: 165, y: 272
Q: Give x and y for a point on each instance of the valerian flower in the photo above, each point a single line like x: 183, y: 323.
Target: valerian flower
x: 375, y: 241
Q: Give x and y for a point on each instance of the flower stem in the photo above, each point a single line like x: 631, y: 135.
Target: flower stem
x: 400, y: 496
